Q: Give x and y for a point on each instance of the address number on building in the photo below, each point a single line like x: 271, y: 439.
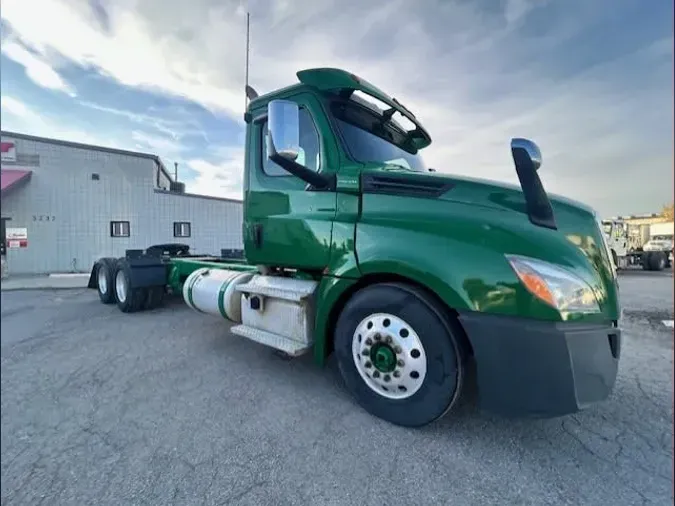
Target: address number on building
x: 43, y: 217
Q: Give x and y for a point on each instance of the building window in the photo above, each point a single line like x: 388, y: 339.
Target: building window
x: 119, y: 229
x: 181, y: 229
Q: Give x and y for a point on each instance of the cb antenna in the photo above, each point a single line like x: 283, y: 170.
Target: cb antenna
x: 248, y: 31
x: 250, y: 93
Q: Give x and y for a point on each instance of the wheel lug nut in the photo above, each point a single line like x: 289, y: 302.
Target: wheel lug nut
x: 387, y: 377
x: 397, y: 374
x: 376, y: 374
x: 368, y: 365
x: 369, y: 341
x: 388, y: 339
x: 398, y: 349
x: 378, y: 337
x: 400, y: 363
x: 365, y: 351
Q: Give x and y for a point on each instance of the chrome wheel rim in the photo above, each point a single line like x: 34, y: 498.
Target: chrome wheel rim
x: 102, y: 280
x: 389, y: 356
x: 121, y: 286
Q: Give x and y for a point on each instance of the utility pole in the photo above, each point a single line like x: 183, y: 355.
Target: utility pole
x: 175, y: 171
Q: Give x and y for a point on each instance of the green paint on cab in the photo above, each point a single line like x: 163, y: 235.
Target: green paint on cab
x: 387, y: 216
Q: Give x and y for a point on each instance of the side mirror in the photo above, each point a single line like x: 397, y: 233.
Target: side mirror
x: 527, y: 158
x: 283, y: 139
x: 530, y: 148
x: 283, y: 144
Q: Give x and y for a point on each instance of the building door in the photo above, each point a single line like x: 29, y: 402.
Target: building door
x: 3, y: 236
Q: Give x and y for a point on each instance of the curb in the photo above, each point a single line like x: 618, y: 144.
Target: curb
x: 38, y: 288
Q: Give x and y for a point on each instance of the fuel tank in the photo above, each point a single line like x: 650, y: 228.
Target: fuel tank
x: 213, y: 291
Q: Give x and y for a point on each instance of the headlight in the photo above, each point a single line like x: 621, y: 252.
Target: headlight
x: 555, y: 285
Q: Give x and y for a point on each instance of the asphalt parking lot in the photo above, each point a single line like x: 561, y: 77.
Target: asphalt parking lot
x: 166, y: 407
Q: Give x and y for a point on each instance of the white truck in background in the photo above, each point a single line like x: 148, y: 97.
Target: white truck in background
x: 628, y: 246
x: 660, y: 241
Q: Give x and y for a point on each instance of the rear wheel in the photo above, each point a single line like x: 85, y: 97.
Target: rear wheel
x: 399, y: 355
x: 657, y: 260
x: 154, y: 297
x: 647, y: 261
x: 129, y: 300
x: 104, y: 282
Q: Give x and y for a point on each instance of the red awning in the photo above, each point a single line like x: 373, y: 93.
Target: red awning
x: 11, y: 178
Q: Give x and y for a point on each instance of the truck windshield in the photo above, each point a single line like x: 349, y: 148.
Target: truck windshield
x: 368, y: 139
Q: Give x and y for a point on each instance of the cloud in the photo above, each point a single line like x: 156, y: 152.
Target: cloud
x: 222, y: 178
x: 592, y: 86
x: 19, y: 117
x: 132, y: 50
x: 155, y: 122
x: 37, y: 70
x: 16, y: 108
x: 157, y: 144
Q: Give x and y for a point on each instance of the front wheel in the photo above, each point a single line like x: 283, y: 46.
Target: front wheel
x: 399, y: 355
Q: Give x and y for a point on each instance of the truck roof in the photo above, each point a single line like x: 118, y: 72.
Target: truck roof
x: 333, y: 79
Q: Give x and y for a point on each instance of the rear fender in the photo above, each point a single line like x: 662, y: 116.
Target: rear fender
x: 147, y: 271
x: 93, y: 279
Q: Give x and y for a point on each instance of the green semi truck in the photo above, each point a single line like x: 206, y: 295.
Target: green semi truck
x: 408, y: 276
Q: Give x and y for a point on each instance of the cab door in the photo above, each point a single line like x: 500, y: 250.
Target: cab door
x: 286, y: 223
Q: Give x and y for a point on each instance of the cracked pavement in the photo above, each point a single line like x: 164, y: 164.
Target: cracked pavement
x: 165, y: 407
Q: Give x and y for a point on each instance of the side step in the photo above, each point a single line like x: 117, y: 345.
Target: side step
x: 292, y: 290
x: 290, y: 346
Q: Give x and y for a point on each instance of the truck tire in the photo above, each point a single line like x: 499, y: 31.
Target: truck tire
x: 412, y: 370
x: 154, y: 297
x: 104, y: 281
x: 646, y: 261
x: 657, y: 260
x: 129, y: 300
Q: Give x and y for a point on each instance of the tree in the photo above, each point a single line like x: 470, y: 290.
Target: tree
x: 667, y: 212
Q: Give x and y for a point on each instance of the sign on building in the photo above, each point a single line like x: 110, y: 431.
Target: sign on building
x: 8, y: 152
x: 17, y: 237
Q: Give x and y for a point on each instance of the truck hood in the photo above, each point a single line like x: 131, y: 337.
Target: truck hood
x: 483, y: 192
x: 497, y: 206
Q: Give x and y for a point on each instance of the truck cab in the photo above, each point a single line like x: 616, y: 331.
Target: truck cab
x: 412, y: 279
x: 336, y: 188
x: 616, y: 234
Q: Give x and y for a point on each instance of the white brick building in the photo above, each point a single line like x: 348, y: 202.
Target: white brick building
x: 75, y: 203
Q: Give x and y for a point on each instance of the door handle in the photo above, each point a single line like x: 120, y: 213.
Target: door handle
x: 257, y: 234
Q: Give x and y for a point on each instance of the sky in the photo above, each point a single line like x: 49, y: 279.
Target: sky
x: 591, y: 82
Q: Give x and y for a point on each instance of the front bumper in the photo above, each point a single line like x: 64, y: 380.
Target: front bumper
x: 541, y: 369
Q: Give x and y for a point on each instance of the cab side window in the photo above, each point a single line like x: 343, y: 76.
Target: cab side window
x: 310, y: 147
